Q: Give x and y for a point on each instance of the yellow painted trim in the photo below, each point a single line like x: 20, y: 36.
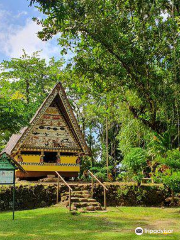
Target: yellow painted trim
x: 36, y: 159
x: 48, y: 168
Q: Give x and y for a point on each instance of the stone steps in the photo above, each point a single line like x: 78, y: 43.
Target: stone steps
x: 82, y: 204
x: 79, y: 187
x: 80, y: 201
x: 86, y: 204
x: 76, y: 192
x: 76, y: 196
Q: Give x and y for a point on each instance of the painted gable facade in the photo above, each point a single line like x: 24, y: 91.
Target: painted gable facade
x: 52, y: 142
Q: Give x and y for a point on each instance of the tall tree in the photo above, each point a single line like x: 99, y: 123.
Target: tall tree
x: 129, y: 45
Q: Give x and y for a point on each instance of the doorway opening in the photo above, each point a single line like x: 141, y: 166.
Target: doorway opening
x: 50, y: 157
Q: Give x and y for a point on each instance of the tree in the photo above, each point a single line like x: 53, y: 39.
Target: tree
x: 126, y: 57
x: 24, y: 84
x: 130, y: 43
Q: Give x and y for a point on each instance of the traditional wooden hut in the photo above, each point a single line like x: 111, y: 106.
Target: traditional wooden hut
x: 52, y: 142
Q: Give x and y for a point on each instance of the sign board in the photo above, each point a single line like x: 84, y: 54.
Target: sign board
x: 6, y: 177
x: 7, y: 172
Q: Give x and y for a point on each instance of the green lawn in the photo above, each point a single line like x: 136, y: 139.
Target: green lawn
x: 118, y: 223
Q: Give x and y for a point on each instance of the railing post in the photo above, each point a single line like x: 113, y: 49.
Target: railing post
x: 92, y: 190
x: 69, y: 199
x: 70, y: 189
x: 104, y: 198
x: 104, y: 187
x: 57, y: 190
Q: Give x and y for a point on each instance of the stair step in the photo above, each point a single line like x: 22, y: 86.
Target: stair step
x: 64, y: 198
x: 77, y: 195
x: 93, y: 208
x: 81, y: 200
x: 75, y: 199
x: 82, y: 204
x: 76, y: 192
x: 86, y: 204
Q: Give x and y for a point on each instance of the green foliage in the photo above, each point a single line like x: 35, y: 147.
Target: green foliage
x: 86, y: 163
x: 171, y: 159
x: 101, y: 172
x: 135, y: 160
x: 173, y: 182
x: 24, y: 84
x: 123, y: 190
x: 125, y: 68
x: 160, y: 144
x: 133, y: 134
x: 125, y: 47
x: 171, y: 176
x: 124, y: 176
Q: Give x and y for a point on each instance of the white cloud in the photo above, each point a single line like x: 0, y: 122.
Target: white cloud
x: 21, y: 14
x: 14, y: 38
x: 26, y: 38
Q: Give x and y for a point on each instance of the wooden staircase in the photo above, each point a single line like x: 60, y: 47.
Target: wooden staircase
x: 80, y: 201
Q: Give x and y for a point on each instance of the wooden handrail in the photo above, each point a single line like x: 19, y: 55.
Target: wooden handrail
x: 70, y: 189
x: 105, y: 188
x: 97, y: 180
x: 64, y: 181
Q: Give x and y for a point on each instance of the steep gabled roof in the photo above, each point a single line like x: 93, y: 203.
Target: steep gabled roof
x: 13, y: 141
x: 59, y: 96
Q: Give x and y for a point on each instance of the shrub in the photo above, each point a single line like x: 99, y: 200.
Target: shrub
x: 134, y: 162
x: 173, y: 159
x: 173, y: 182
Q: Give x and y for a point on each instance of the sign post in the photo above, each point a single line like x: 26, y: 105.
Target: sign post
x: 14, y: 195
x: 7, y: 173
x: 7, y: 177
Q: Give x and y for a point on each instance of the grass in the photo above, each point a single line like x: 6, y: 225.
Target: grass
x: 56, y: 223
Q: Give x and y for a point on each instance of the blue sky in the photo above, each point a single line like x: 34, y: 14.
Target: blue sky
x: 18, y: 31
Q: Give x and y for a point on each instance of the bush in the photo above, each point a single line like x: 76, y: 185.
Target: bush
x: 173, y: 159
x: 134, y: 162
x: 135, y: 159
x: 173, y: 182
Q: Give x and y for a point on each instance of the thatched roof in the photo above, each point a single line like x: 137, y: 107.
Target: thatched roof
x: 16, y: 140
x: 12, y: 141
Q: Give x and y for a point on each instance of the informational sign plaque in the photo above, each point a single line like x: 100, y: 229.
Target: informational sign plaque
x: 6, y: 177
x: 8, y: 166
